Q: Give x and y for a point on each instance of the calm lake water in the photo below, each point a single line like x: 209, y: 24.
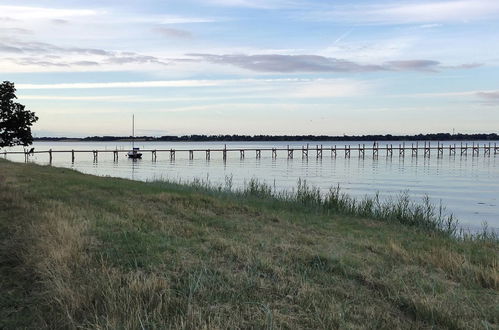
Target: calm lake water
x: 468, y: 186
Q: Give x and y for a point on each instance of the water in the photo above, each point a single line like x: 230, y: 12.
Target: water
x: 468, y: 186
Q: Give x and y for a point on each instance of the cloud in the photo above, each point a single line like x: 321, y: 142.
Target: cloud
x: 46, y: 55
x: 59, y: 21
x: 255, y: 4
x: 133, y: 58
x: 174, y: 33
x: 331, y: 88
x: 36, y: 48
x: 488, y: 95
x: 123, y: 98
x: 9, y: 49
x: 133, y: 84
x: 11, y: 31
x: 29, y: 13
x: 219, y: 90
x: 430, y: 26
x: 314, y: 63
x: 464, y: 66
x: 287, y: 63
x: 412, y: 12
x: 413, y: 65
x: 37, y: 62
x: 85, y: 63
x: 165, y: 19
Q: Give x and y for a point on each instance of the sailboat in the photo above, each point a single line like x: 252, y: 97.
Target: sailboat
x: 134, y: 154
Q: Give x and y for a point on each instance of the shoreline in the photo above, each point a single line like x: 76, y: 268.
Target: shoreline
x: 283, y: 138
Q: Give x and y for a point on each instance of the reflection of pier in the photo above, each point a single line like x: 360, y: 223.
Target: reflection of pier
x: 415, y: 149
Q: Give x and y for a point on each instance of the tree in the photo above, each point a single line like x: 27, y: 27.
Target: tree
x: 15, y: 119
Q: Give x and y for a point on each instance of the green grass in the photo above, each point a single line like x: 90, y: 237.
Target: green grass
x: 79, y: 251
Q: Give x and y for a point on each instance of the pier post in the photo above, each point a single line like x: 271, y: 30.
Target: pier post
x: 224, y: 153
x: 347, y: 152
x: 50, y: 156
x: 318, y: 152
x: 72, y: 156
x: 153, y: 155
x: 274, y: 153
x: 241, y: 153
x: 191, y: 155
x: 440, y: 149
x: 208, y: 156
x: 375, y: 150
x: 304, y: 152
x: 427, y: 150
x: 172, y: 154
x: 496, y: 149
x: 333, y: 151
x: 290, y: 153
x: 475, y: 149
x: 95, y: 155
x: 258, y: 154
x: 362, y: 151
x: 486, y: 149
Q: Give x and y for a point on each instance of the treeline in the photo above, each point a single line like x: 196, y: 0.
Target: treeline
x: 227, y: 138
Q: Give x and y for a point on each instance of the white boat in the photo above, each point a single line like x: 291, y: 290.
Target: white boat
x: 135, y: 152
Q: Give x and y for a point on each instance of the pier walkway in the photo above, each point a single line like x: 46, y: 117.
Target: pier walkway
x: 426, y: 149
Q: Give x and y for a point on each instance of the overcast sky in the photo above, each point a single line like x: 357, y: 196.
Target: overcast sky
x: 254, y: 66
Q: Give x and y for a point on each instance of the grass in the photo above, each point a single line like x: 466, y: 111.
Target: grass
x: 79, y: 251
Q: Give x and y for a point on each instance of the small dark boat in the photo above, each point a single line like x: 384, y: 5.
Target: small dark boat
x: 134, y: 154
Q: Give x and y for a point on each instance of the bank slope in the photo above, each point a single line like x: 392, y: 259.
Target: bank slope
x: 91, y: 252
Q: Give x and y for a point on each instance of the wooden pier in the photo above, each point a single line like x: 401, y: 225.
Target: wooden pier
x: 426, y: 149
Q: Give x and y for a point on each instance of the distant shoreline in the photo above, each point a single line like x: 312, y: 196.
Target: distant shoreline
x: 262, y: 138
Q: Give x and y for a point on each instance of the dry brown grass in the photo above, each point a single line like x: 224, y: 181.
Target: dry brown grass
x: 100, y: 253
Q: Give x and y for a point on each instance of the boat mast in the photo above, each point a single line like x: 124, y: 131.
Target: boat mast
x: 133, y: 131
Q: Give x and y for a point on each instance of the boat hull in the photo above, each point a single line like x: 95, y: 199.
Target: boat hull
x: 135, y: 155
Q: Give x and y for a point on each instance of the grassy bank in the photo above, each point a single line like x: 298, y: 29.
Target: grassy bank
x: 89, y: 252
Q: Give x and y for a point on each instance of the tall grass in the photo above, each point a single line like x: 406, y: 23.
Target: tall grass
x: 83, y: 252
x: 403, y: 209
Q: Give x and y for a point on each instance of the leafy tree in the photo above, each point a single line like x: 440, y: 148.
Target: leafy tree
x: 15, y: 120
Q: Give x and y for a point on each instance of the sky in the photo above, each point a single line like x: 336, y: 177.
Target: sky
x: 253, y: 66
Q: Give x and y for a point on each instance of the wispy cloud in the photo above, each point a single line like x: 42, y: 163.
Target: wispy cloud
x: 43, y: 54
x: 173, y: 33
x: 29, y: 13
x: 489, y: 97
x: 287, y: 63
x: 132, y: 84
x: 166, y: 19
x: 221, y: 90
x: 412, y: 65
x: 410, y: 12
x: 255, y: 4
x: 13, y: 31
x: 486, y: 97
x: 314, y: 63
x: 77, y: 98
